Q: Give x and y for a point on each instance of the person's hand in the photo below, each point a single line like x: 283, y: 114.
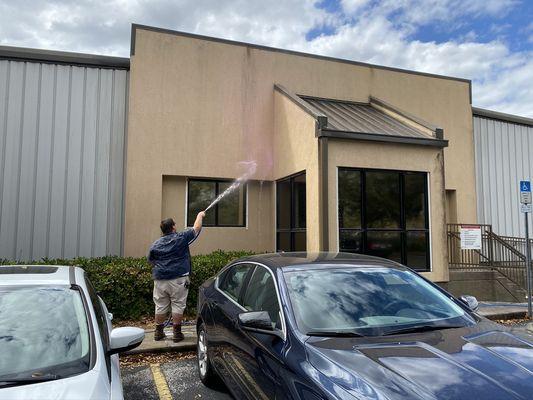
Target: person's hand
x: 201, y: 214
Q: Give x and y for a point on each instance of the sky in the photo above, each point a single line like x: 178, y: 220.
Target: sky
x: 487, y: 41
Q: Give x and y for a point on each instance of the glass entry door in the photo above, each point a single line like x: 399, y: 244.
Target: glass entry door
x: 385, y: 214
x: 291, y: 214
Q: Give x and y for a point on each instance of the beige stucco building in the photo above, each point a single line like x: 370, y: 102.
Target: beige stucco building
x: 348, y: 156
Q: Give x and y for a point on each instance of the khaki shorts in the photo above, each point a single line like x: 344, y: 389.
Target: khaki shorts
x: 171, y: 293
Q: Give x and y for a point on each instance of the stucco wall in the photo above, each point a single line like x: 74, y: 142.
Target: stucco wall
x: 295, y: 150
x: 258, y: 235
x: 198, y: 107
x: 358, y: 154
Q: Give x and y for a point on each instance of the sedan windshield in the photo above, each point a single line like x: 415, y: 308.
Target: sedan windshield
x: 43, y: 333
x: 369, y: 301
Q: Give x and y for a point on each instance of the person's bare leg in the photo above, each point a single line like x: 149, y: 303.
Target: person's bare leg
x: 176, y: 320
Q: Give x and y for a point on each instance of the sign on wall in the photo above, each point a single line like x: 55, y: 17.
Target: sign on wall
x: 470, y: 237
x: 525, y: 192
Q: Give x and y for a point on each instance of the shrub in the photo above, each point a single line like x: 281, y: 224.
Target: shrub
x: 125, y: 284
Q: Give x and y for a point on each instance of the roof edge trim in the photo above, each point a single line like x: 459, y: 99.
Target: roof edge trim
x: 481, y: 112
x: 321, y: 119
x: 438, y: 132
x: 135, y: 26
x: 382, y: 138
x: 62, y: 57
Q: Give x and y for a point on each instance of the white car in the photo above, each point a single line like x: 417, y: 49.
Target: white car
x: 56, y: 339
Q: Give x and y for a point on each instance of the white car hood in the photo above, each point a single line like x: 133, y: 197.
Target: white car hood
x: 90, y: 385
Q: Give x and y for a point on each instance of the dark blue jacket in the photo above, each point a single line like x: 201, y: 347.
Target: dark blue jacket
x: 170, y: 255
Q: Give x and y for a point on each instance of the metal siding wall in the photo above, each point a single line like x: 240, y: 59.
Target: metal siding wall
x: 61, y: 160
x: 502, y: 159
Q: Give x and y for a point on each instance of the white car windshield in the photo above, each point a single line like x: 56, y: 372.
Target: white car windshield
x: 369, y: 301
x: 43, y: 332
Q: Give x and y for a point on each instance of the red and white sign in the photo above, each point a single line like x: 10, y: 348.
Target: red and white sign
x: 470, y: 237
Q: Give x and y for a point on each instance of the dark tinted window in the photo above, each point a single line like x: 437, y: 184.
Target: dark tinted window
x: 43, y: 329
x: 231, y: 208
x: 384, y: 213
x: 349, y: 199
x: 415, y: 201
x: 383, y: 200
x: 261, y: 295
x: 229, y: 211
x: 201, y: 194
x: 299, y: 201
x: 291, y: 213
x: 283, y: 209
x: 385, y: 244
x: 231, y: 282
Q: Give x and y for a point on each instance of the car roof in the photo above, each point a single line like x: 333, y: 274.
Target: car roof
x: 320, y: 259
x: 36, y: 275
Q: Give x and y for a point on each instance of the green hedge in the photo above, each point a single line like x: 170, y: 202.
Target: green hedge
x: 125, y: 284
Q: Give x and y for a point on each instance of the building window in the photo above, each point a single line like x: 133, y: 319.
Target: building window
x: 290, y: 214
x: 229, y: 211
x: 385, y: 213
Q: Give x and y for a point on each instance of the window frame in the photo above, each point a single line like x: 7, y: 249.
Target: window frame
x: 292, y: 230
x: 217, y: 183
x: 402, y: 229
x: 254, y: 265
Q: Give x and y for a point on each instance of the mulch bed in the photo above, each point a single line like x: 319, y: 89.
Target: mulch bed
x: 137, y: 360
x: 511, y: 322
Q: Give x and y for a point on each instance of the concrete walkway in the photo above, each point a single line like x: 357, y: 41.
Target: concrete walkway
x: 501, y: 310
x: 149, y: 345
x: 490, y: 310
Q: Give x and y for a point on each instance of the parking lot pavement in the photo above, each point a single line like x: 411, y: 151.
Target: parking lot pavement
x: 180, y: 378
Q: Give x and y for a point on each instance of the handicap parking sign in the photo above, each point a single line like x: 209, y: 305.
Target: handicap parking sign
x: 525, y: 192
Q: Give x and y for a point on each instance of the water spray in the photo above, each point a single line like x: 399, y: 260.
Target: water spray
x: 251, y: 167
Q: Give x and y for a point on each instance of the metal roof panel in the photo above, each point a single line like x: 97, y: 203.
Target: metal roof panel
x: 355, y: 117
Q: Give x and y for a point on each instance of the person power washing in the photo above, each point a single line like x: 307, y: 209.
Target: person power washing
x: 171, y: 261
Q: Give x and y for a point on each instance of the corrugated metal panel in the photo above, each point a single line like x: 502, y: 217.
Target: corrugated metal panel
x: 361, y: 118
x: 61, y: 160
x: 503, y: 151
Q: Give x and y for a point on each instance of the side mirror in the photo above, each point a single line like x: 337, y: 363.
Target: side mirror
x: 470, y: 301
x: 124, y: 339
x: 257, y: 321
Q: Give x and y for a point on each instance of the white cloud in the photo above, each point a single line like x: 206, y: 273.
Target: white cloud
x: 376, y: 32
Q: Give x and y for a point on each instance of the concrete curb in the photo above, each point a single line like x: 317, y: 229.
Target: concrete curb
x: 506, y: 316
x: 184, y: 348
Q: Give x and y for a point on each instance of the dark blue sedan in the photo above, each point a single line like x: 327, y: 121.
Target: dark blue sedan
x: 341, y: 326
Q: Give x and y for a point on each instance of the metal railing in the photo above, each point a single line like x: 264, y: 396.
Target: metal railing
x: 504, y: 254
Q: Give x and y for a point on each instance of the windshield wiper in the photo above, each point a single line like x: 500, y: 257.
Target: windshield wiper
x: 28, y: 379
x: 421, y: 328
x: 334, y: 334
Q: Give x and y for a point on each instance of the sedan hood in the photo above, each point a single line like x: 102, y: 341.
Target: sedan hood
x: 89, y: 386
x: 480, y: 362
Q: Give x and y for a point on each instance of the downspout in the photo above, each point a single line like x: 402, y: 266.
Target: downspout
x: 323, y: 184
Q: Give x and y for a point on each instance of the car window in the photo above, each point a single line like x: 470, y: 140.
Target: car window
x: 43, y: 330
x: 232, y: 281
x: 370, y: 300
x: 101, y: 320
x: 261, y: 295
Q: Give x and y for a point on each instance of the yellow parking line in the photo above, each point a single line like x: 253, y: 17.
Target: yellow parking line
x: 160, y: 382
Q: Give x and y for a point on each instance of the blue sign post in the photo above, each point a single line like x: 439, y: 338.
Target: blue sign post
x: 525, y: 199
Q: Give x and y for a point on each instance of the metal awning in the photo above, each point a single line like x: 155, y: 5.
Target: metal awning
x: 370, y: 121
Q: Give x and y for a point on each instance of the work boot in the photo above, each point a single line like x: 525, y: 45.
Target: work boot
x: 159, y: 333
x: 178, y: 336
